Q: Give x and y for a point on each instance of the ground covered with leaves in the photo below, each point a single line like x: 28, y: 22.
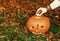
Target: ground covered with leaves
x: 14, y: 15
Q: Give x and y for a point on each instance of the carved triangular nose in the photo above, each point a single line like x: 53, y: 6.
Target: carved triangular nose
x: 37, y: 26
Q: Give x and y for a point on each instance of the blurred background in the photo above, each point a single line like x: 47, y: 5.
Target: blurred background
x: 14, y: 15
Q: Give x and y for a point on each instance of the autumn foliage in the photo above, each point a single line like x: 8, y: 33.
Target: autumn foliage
x: 14, y: 15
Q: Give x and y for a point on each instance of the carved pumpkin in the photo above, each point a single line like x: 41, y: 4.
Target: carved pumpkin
x: 38, y: 25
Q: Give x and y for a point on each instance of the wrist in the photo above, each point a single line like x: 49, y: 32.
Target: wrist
x: 48, y: 8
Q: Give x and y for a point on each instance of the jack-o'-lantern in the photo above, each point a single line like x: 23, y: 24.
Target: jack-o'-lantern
x: 38, y: 24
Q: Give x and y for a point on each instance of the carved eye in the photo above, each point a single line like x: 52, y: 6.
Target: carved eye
x: 31, y: 27
x: 42, y: 26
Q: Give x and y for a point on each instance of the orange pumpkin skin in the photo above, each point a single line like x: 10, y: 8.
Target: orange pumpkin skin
x: 38, y: 25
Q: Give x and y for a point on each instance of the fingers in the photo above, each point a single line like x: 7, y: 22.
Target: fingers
x: 41, y: 11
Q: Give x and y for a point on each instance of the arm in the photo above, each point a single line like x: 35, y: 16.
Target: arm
x: 53, y: 5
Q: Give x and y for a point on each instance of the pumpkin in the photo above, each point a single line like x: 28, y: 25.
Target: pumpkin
x: 38, y: 24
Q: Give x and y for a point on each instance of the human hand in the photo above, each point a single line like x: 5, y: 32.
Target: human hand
x: 42, y: 10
